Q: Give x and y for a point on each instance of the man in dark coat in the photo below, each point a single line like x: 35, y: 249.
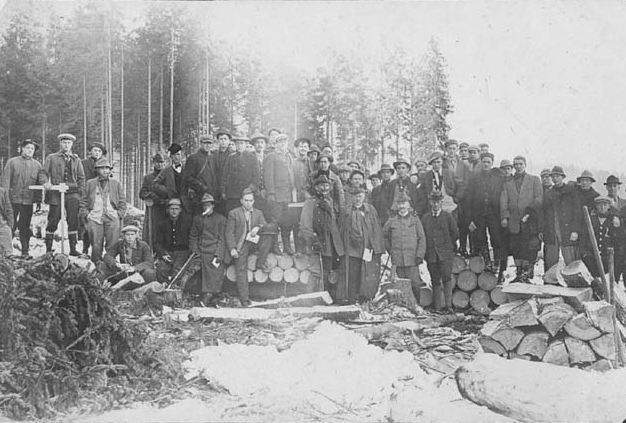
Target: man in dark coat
x: 200, y: 175
x: 172, y: 241
x: 96, y: 151
x: 300, y: 177
x: 402, y: 184
x: 405, y: 242
x: 64, y: 167
x: 380, y: 194
x: 19, y: 173
x: 169, y: 182
x: 363, y: 245
x: 563, y: 220
x: 585, y: 191
x: 608, y: 231
x: 207, y: 242
x: 241, y: 171
x: 319, y: 230
x: 618, y: 205
x: 129, y: 255
x: 483, y: 209
x: 155, y: 205
x: 438, y: 179
x: 336, y: 186
x: 441, y: 233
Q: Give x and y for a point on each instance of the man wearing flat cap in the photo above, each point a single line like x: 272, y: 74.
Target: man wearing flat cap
x: 484, y: 147
x: 563, y: 221
x: 127, y: 256
x: 19, y: 173
x: 155, y: 205
x: 102, y: 209
x: 381, y: 193
x: 546, y: 179
x: 172, y: 241
x: 241, y: 171
x: 169, y: 182
x: 441, y: 180
x: 313, y: 153
x: 402, y: 184
x: 473, y: 160
x: 585, y: 190
x: 200, y: 175
x: 64, y: 167
x: 483, y: 211
x: 318, y: 228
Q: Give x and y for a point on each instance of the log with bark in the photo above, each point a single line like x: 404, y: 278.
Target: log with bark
x: 304, y: 300
x: 576, y: 275
x: 534, y: 391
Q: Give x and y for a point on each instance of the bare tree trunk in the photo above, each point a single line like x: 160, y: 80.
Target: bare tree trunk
x: 84, y: 117
x: 161, y: 109
x: 122, y: 164
x: 232, y: 95
x: 149, y: 106
x: 43, y: 138
x: 207, y: 114
x: 102, y: 117
x: 172, y: 91
x: 110, y: 97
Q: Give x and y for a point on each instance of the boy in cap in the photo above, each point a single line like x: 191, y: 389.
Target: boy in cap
x: 64, y: 167
x: 441, y: 233
x: 608, y: 231
x: 313, y: 153
x: 19, y: 173
x: 155, y: 205
x: 405, y: 242
x: 102, y: 208
x: 127, y: 256
x: 563, y: 220
x: 169, y: 182
x: 172, y: 241
x: 344, y: 174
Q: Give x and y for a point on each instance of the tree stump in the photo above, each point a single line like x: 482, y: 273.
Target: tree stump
x: 467, y: 281
x: 477, y: 264
x: 403, y: 292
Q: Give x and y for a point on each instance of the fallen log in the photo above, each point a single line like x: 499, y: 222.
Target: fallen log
x: 479, y: 301
x: 573, y: 296
x: 487, y: 281
x: 467, y: 281
x: 600, y: 314
x: 231, y: 273
x: 580, y: 327
x: 556, y: 353
x: 497, y: 296
x: 542, y: 392
x: 534, y: 343
x: 604, y: 346
x: 491, y: 346
x: 576, y: 275
x: 303, y: 300
x: 458, y: 264
x: 460, y: 299
x: 555, y: 316
x: 477, y: 264
x: 339, y: 313
x: 579, y: 351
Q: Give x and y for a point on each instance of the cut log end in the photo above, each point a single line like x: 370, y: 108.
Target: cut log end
x: 535, y: 344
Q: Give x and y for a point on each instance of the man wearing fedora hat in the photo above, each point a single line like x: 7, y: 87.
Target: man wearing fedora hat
x: 19, y: 173
x: 381, y: 192
x: 200, y: 175
x: 402, y: 184
x: 585, y: 190
x: 563, y: 220
x: 241, y: 171
x: 618, y: 205
x: 64, y: 167
x: 438, y: 179
x: 169, y: 182
x: 171, y: 243
x: 355, y: 187
x: 155, y: 212
x: 128, y: 255
x: 313, y: 153
x: 612, y: 185
x: 259, y: 141
x: 102, y: 208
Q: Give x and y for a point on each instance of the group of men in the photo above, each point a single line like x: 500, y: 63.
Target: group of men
x: 236, y: 194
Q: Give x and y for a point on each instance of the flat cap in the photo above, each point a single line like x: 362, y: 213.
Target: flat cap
x: 174, y: 148
x: 557, y: 170
x: 302, y: 139
x: 490, y: 155
x: 207, y: 198
x: 505, y: 163
x: 130, y: 228
x: 473, y: 148
x: 545, y: 172
x: 602, y: 199
x: 450, y: 142
x: 434, y: 156
x: 66, y: 137
x: 174, y: 202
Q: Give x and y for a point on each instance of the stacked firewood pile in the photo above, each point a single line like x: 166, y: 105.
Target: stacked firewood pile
x: 554, y: 324
x: 476, y: 288
x: 296, y: 269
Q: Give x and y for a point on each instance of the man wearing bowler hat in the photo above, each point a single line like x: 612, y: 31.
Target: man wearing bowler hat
x: 438, y: 179
x: 19, y: 173
x: 102, y: 208
x: 612, y: 185
x: 64, y: 167
x: 156, y: 205
x: 241, y: 171
x: 563, y: 221
x: 169, y: 182
x: 585, y: 191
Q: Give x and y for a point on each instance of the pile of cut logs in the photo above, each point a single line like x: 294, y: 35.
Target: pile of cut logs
x: 475, y: 287
x: 283, y: 268
x: 554, y: 324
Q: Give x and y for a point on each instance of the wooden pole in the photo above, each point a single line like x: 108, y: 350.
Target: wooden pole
x: 596, y: 253
x: 172, y: 91
x: 149, y: 105
x: 161, y: 108
x: 101, y: 117
x: 109, y: 96
x: 43, y: 137
x: 84, y: 117
x: 122, y: 117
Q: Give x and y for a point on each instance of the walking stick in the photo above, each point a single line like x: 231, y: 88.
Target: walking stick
x: 149, y: 204
x: 596, y: 254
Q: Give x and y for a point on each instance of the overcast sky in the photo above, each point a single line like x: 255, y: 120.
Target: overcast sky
x: 537, y: 78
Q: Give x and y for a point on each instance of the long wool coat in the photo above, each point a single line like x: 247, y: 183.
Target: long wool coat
x: 513, y: 204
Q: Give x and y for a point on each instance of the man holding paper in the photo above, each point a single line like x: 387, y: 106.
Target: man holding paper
x: 363, y: 244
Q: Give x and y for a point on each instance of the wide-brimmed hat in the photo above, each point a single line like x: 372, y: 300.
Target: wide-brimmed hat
x: 322, y: 179
x: 505, y: 163
x: 314, y: 149
x: 207, y: 198
x: 257, y: 136
x: 302, y: 139
x: 31, y: 142
x: 97, y: 145
x: 174, y: 202
x: 386, y: 167
x: 613, y: 180
x: 586, y: 174
x: 557, y: 170
x: 490, y: 155
x: 130, y: 228
x: 321, y: 156
x: 602, y: 199
x: 70, y: 137
x: 401, y: 161
x: 434, y: 156
x: 103, y: 162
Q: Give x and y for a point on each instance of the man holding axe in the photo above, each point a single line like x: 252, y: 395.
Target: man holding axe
x: 172, y: 240
x: 127, y: 257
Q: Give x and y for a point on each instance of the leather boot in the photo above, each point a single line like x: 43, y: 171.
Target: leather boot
x: 24, y: 241
x: 73, y: 239
x: 285, y: 233
x: 49, y: 239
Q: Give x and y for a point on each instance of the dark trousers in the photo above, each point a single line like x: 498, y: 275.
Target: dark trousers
x: 71, y: 214
x: 22, y: 215
x: 487, y: 222
x: 166, y: 270
x: 350, y: 287
x: 241, y: 263
x: 157, y: 215
x: 464, y: 232
x: 441, y: 278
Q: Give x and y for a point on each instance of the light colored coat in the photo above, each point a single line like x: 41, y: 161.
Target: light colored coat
x: 513, y: 204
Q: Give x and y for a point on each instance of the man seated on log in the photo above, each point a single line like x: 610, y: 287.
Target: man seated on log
x: 208, y: 247
x: 406, y: 243
x: 128, y: 256
x: 102, y: 207
x: 608, y: 232
x: 244, y: 237
x: 441, y: 233
x: 363, y: 245
x: 319, y: 230
x: 172, y: 241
